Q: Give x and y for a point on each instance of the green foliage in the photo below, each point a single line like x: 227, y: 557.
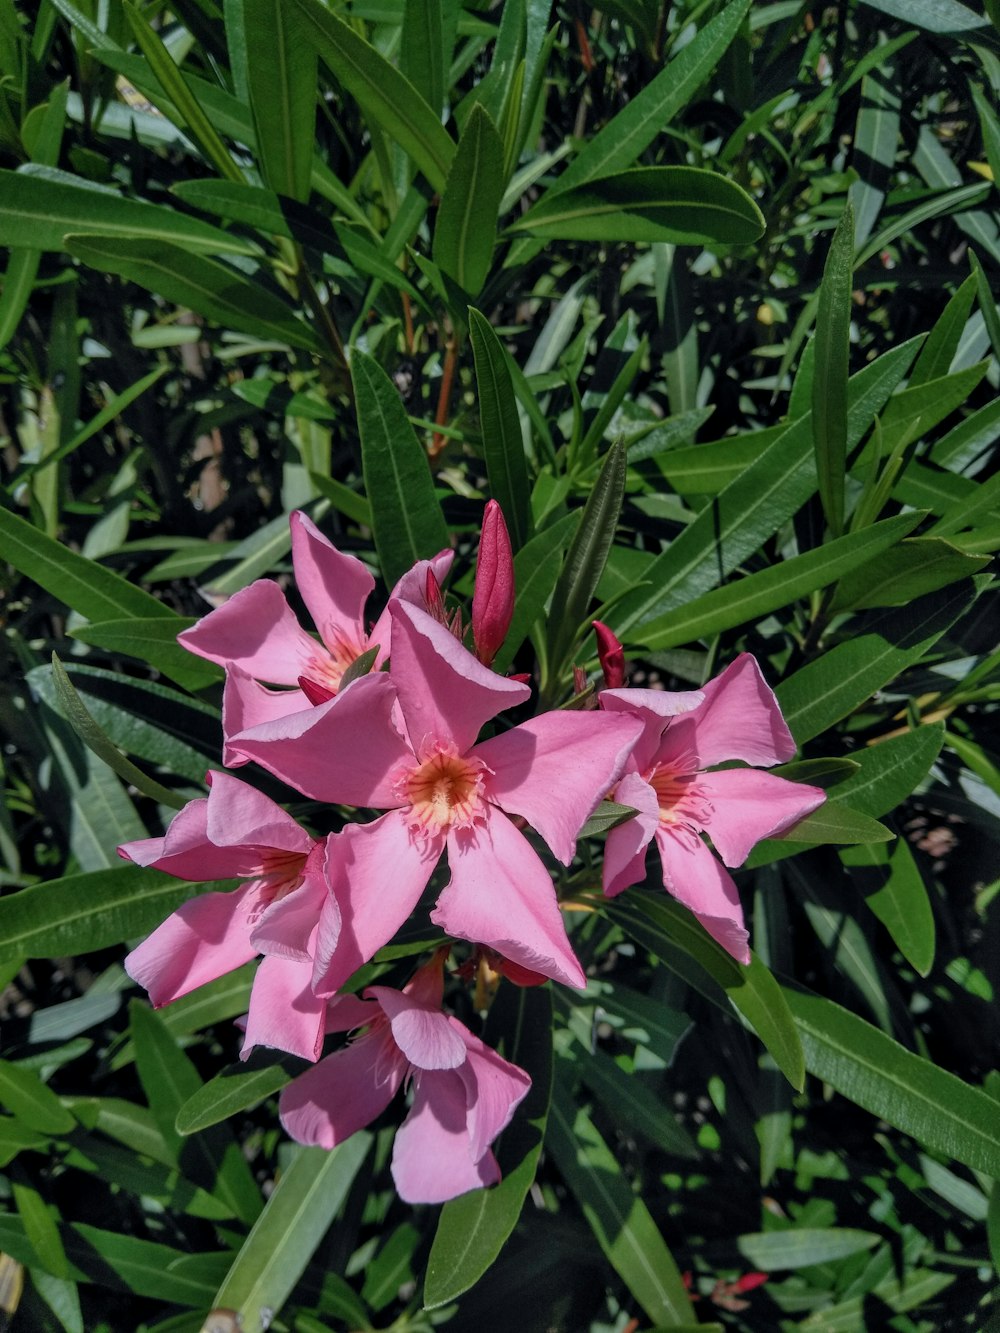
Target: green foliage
x: 730, y: 370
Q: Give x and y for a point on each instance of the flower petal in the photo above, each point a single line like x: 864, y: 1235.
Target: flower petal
x: 493, y: 1088
x: 555, y: 768
x: 740, y: 719
x: 424, y: 1035
x: 445, y: 693
x: 257, y: 630
x: 240, y: 816
x: 347, y: 751
x: 377, y: 873
x: 343, y: 1093
x: 748, y: 805
x: 431, y: 1158
x: 411, y: 587
x: 287, y: 927
x: 246, y: 704
x: 698, y: 880
x: 204, y: 939
x: 333, y: 585
x: 625, y: 850
x: 284, y: 1012
x: 185, y: 849
x: 655, y: 708
x: 501, y: 895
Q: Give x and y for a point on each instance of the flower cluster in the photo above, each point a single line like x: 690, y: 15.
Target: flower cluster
x: 391, y: 719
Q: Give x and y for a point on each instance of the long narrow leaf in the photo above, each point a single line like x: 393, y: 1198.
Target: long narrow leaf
x: 503, y: 442
x: 829, y: 395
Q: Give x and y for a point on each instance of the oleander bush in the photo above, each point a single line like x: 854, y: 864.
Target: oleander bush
x: 676, y: 318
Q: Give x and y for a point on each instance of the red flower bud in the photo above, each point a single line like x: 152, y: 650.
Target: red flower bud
x: 611, y: 656
x: 314, y: 691
x: 493, y: 599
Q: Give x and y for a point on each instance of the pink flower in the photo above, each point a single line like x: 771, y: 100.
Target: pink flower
x: 256, y: 636
x: 493, y: 598
x: 734, y: 716
x: 464, y: 1094
x: 405, y: 742
x: 239, y: 832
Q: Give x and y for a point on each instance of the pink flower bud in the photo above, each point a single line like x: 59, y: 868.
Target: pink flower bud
x: 611, y: 656
x: 493, y: 599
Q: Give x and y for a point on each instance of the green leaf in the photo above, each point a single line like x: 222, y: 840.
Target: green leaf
x: 83, y: 585
x: 656, y: 104
x: 153, y: 641
x: 75, y: 915
x: 632, y: 1103
x: 753, y: 506
x: 216, y: 290
x: 40, y: 1229
x: 189, y: 112
x: 827, y: 689
x: 891, y: 770
x: 585, y: 560
x: 884, y: 1078
x: 465, y: 231
x: 236, y: 1088
x: 684, y: 205
x: 835, y: 822
x: 281, y: 71
x: 409, y: 525
x: 385, y: 96
x: 427, y: 39
x: 473, y: 1228
x: 40, y: 207
x: 944, y: 16
x: 895, y: 891
x: 26, y: 1097
x: 298, y: 1214
x: 829, y: 390
x: 503, y: 442
x: 802, y: 1246
x: 987, y: 301
x: 620, y: 1220
x: 608, y: 815
x: 911, y: 569
x: 669, y: 930
x: 211, y: 1159
x: 758, y: 594
x: 876, y: 138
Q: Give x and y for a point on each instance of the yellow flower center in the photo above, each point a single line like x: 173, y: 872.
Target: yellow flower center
x: 444, y: 791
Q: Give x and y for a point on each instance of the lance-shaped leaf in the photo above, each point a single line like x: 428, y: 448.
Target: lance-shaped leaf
x: 40, y: 207
x: 236, y: 1088
x: 894, y: 889
x: 387, y: 97
x: 153, y: 640
x: 503, y: 442
x: 218, y: 291
x: 829, y: 388
x: 685, y: 205
x: 472, y: 1229
x: 409, y: 525
x: 465, y: 231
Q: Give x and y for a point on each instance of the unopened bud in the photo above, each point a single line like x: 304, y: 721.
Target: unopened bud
x: 493, y: 599
x: 611, y: 655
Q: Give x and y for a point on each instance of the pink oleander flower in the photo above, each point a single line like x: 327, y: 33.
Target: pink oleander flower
x: 734, y: 716
x: 405, y: 741
x: 464, y: 1094
x: 493, y: 597
x: 257, y: 638
x: 238, y: 832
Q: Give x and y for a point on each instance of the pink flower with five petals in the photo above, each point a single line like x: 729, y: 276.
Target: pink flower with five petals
x: 238, y: 832
x: 406, y: 742
x: 734, y: 716
x: 464, y: 1094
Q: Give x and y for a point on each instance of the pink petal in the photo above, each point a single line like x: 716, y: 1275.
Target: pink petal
x: 203, y: 940
x: 287, y: 927
x: 185, y: 849
x: 347, y: 751
x: 698, y: 880
x: 625, y: 850
x: 445, y: 693
x: 748, y: 805
x: 246, y: 704
x: 334, y: 586
x: 343, y: 1093
x: 425, y: 1036
x: 740, y: 719
x: 257, y: 630
x: 431, y: 1158
x: 501, y: 895
x: 240, y: 816
x: 377, y: 873
x: 493, y: 1088
x: 346, y: 1012
x: 554, y: 769
x: 655, y: 708
x: 410, y: 588
x: 284, y: 1012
